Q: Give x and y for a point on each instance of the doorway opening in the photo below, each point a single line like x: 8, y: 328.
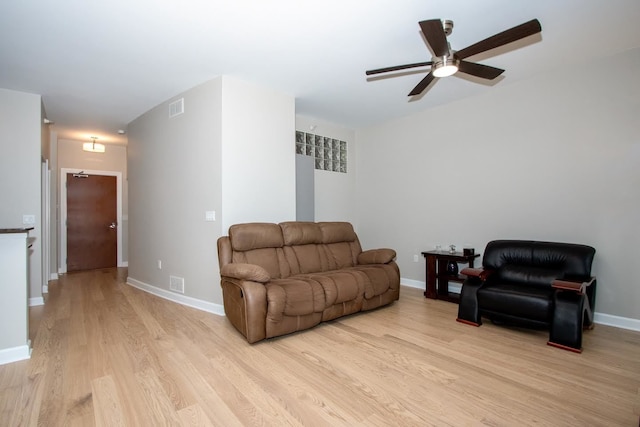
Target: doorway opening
x: 90, y: 219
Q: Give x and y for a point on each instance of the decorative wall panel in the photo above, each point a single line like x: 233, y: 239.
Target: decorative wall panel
x: 330, y: 154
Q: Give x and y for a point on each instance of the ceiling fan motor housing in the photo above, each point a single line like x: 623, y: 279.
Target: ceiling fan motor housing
x: 447, y: 26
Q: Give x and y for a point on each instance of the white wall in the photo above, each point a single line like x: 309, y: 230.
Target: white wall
x: 20, y: 171
x: 552, y: 158
x: 232, y: 152
x: 333, y: 190
x: 258, y: 154
x: 174, y: 177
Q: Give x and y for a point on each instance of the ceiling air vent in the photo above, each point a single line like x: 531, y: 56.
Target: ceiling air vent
x: 176, y: 107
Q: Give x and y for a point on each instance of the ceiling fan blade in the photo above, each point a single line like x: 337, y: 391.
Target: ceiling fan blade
x: 398, y: 68
x: 420, y: 87
x: 516, y: 33
x: 435, y: 35
x: 479, y: 70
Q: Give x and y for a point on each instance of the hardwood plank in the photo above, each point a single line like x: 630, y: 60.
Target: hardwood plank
x: 194, y: 416
x: 107, y: 403
x: 162, y: 410
x: 105, y: 353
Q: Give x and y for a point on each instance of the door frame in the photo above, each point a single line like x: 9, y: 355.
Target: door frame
x: 62, y: 265
x: 46, y: 224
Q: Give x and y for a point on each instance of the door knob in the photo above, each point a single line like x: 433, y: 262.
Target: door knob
x: 113, y: 225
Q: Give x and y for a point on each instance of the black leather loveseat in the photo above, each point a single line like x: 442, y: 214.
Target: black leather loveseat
x: 533, y: 284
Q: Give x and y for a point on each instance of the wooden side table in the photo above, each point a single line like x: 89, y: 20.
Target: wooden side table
x: 437, y: 277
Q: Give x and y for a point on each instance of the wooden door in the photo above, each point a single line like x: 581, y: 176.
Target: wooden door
x: 92, y: 237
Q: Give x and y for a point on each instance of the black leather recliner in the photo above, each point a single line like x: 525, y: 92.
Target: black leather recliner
x: 533, y: 284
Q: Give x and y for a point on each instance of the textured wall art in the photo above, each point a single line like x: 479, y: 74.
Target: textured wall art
x: 330, y: 154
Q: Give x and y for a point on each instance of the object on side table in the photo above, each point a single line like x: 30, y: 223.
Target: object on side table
x: 452, y: 268
x: 533, y: 284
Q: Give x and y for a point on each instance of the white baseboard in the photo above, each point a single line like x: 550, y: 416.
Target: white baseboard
x: 453, y: 287
x: 36, y: 301
x: 14, y: 354
x: 599, y: 318
x: 124, y: 264
x: 54, y: 276
x: 178, y: 298
x: 617, y: 321
x: 412, y: 283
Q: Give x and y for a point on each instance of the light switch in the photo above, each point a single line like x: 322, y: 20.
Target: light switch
x: 210, y: 216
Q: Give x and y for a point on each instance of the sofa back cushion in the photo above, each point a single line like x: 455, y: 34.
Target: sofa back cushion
x: 340, y: 243
x: 303, y: 250
x: 537, y: 263
x: 300, y: 233
x: 315, y: 247
x: 295, y: 247
x: 260, y: 244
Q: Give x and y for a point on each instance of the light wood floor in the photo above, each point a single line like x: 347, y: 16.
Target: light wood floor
x: 107, y: 354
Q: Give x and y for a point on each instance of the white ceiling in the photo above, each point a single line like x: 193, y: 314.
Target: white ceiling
x: 100, y: 64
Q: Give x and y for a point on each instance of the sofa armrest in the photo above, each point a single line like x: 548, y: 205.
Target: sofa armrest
x: 245, y: 305
x: 241, y: 271
x: 480, y: 273
x: 376, y: 256
x: 569, y: 285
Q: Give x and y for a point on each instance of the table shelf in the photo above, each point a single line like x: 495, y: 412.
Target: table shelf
x: 437, y: 286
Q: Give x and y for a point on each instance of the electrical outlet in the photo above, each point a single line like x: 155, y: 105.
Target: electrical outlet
x: 416, y: 258
x: 28, y: 219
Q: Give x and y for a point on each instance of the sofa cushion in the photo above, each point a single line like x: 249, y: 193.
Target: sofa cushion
x: 575, y: 260
x: 517, y: 301
x: 528, y: 275
x: 267, y: 258
x: 260, y: 244
x: 333, y: 232
x: 251, y: 236
x: 304, y: 259
x: 340, y: 285
x: 341, y: 255
x: 294, y: 297
x: 379, y: 278
x: 571, y: 259
x: 301, y: 233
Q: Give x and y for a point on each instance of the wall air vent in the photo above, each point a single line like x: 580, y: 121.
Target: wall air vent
x: 176, y: 284
x: 176, y: 107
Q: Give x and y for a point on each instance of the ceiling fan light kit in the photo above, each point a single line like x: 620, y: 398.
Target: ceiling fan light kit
x: 447, y: 62
x: 445, y: 66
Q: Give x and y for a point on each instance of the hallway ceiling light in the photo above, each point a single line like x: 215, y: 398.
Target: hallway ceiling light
x: 93, y: 147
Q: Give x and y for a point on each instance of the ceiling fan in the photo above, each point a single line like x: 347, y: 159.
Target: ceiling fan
x: 447, y: 61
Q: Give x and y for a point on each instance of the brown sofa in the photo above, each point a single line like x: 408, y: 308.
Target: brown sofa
x: 281, y: 278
